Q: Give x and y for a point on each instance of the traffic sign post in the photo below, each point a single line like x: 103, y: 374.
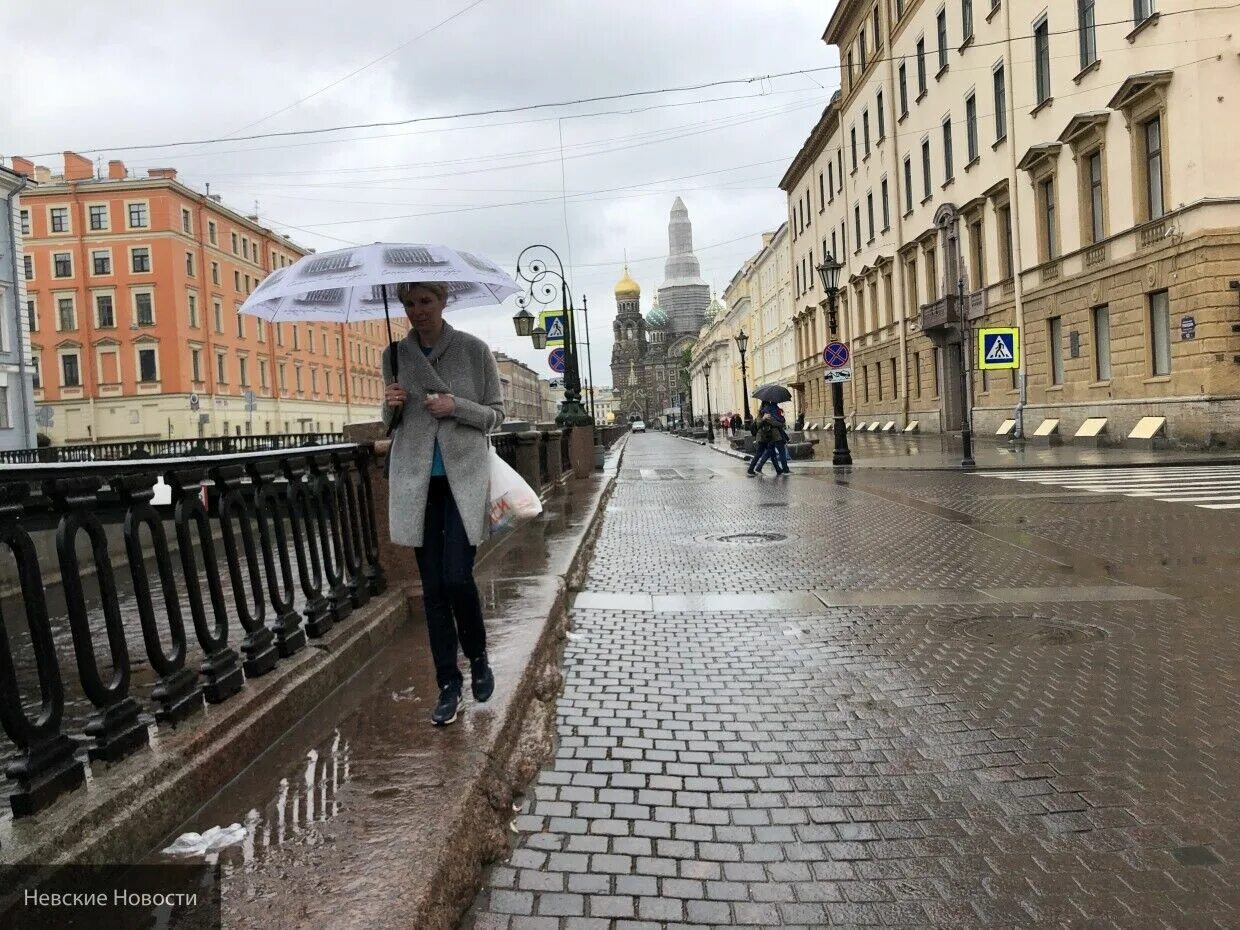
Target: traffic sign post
x: 555, y: 323
x: 556, y: 361
x: 998, y: 348
x: 838, y: 360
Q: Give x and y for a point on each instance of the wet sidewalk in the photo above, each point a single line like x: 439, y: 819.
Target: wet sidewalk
x: 939, y: 452
x: 886, y: 699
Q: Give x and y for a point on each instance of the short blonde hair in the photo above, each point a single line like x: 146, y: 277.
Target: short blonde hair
x: 405, y: 289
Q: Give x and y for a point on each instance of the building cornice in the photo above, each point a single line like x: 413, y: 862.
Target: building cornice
x: 813, y: 146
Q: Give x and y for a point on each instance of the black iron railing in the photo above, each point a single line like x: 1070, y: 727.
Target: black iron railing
x: 300, y: 552
x: 544, y: 461
x: 566, y: 463
x: 163, y: 448
x: 505, y: 447
x: 607, y: 436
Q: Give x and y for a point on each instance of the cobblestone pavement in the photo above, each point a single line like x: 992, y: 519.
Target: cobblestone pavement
x: 937, y: 702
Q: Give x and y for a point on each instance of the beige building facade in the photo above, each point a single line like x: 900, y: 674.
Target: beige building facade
x: 522, y: 390
x: 1062, y: 168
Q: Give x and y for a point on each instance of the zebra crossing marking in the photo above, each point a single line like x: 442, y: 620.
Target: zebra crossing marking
x: 1210, y: 487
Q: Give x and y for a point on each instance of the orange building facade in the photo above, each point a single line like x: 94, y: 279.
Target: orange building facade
x: 133, y: 287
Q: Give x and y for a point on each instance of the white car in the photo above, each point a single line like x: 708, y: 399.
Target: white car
x: 639, y: 426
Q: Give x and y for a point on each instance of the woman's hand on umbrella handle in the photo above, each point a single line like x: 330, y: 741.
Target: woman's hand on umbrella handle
x: 395, y: 395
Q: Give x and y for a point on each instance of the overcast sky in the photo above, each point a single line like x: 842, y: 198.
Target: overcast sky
x: 127, y: 73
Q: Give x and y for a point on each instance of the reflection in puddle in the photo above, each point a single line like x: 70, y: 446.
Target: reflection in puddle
x: 305, y: 796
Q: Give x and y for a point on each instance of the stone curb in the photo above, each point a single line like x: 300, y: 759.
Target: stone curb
x: 134, y: 804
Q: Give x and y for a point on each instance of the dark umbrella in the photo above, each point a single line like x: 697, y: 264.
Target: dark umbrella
x: 773, y: 394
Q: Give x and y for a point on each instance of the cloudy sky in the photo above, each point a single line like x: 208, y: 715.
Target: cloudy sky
x: 126, y: 73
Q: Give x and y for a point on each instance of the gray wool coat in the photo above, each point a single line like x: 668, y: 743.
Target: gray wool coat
x: 463, y: 366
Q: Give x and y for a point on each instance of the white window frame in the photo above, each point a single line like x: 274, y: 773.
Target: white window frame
x: 94, y: 253
x: 146, y: 205
x: 133, y: 305
x: 68, y: 230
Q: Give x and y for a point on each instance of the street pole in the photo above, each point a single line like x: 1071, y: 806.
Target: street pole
x: 742, y: 341
x: 966, y: 432
x: 842, y: 454
x: 585, y: 322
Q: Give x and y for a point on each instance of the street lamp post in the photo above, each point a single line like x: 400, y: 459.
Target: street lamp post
x: 710, y: 417
x: 829, y: 272
x: 544, y: 281
x: 742, y: 343
x: 966, y: 431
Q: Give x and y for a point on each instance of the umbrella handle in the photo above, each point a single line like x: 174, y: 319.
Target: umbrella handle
x: 387, y: 316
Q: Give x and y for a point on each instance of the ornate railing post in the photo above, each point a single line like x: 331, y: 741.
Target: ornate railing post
x: 350, y: 528
x: 257, y: 648
x: 309, y: 572
x: 220, y: 667
x: 115, y: 727
x: 326, y: 520
x: 177, y: 693
x: 364, y: 457
x: 271, y: 507
x: 46, y: 767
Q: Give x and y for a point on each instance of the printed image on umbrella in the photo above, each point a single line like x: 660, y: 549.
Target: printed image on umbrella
x: 773, y: 394
x: 416, y: 257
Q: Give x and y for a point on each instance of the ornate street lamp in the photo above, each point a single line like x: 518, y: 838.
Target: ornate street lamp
x: 710, y: 416
x: 829, y: 272
x: 544, y: 281
x: 742, y: 343
x: 539, y: 337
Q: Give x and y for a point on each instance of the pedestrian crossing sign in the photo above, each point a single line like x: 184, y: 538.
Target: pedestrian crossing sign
x: 998, y: 348
x: 553, y: 322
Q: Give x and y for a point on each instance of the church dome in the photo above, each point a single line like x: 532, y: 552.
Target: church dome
x: 713, y: 311
x: 627, y: 288
x: 656, y: 318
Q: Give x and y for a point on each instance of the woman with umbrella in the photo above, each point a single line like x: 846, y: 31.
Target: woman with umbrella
x: 771, y: 396
x: 442, y: 400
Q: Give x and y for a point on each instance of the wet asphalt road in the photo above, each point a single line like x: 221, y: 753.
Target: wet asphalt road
x: 888, y: 698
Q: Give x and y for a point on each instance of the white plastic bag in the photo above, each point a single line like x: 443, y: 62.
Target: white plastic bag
x: 511, y: 498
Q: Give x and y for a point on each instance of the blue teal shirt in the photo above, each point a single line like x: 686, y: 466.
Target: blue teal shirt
x: 437, y: 469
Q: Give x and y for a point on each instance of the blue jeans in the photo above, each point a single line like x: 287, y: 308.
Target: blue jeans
x: 449, y: 594
x: 766, y: 452
x: 783, y: 454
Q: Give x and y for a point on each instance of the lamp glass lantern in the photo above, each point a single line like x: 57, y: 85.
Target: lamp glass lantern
x: 742, y: 341
x: 523, y: 320
x: 829, y: 273
x: 539, y: 335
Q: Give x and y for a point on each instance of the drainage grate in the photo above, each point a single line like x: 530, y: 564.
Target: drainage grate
x: 745, y: 539
x: 1041, y: 631
x: 774, y: 504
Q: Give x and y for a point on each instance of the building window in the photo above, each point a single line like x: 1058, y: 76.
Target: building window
x: 105, y: 312
x: 237, y: 281
x: 1000, y: 84
x: 853, y: 136
x: 921, y: 67
x: 1046, y: 194
x: 977, y: 241
x: 28, y: 267
x: 839, y: 158
x: 218, y: 312
x: 869, y: 211
x: 852, y: 75
x: 886, y: 206
x: 1097, y: 226
x: 942, y: 32
x: 240, y: 323
x: 970, y: 126
x: 297, y: 380
x: 101, y: 261
x: 1042, y: 60
x: 948, y: 167
x: 144, y: 309
x: 1005, y: 241
x: 314, y: 381
x: 245, y: 247
x: 283, y: 381
x: 1160, y: 333
x: 189, y: 264
x: 98, y: 216
x: 59, y: 219
x: 882, y: 116
x: 296, y: 339
x: 1088, y: 32
x: 70, y: 371
x: 62, y: 265
x: 908, y: 185
x: 234, y: 244
x: 822, y: 192
x: 140, y: 259
x: 187, y: 223
x: 37, y: 368
x: 25, y: 215
x: 831, y: 181
x: 857, y: 219
x: 192, y: 306
x: 903, y: 89
x: 221, y: 368
x: 66, y: 316
x: 260, y: 329
x: 1054, y: 337
x: 966, y: 19
x: 865, y: 56
x: 146, y: 366
x: 1141, y: 11
x: 925, y: 168
x: 243, y: 371
x: 213, y: 234
x: 262, y: 373
x: 865, y: 131
x: 195, y: 364
x: 1102, y: 343
x: 1151, y: 134
x: 32, y: 317
x: 138, y: 218
x: 215, y: 272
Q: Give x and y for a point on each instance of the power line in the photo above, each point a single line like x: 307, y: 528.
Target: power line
x: 525, y: 108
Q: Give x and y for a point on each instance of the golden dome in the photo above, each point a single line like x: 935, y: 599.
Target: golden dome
x: 627, y: 288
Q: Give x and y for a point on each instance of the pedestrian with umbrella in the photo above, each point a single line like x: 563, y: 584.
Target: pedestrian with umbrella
x: 771, y: 396
x: 441, y: 402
